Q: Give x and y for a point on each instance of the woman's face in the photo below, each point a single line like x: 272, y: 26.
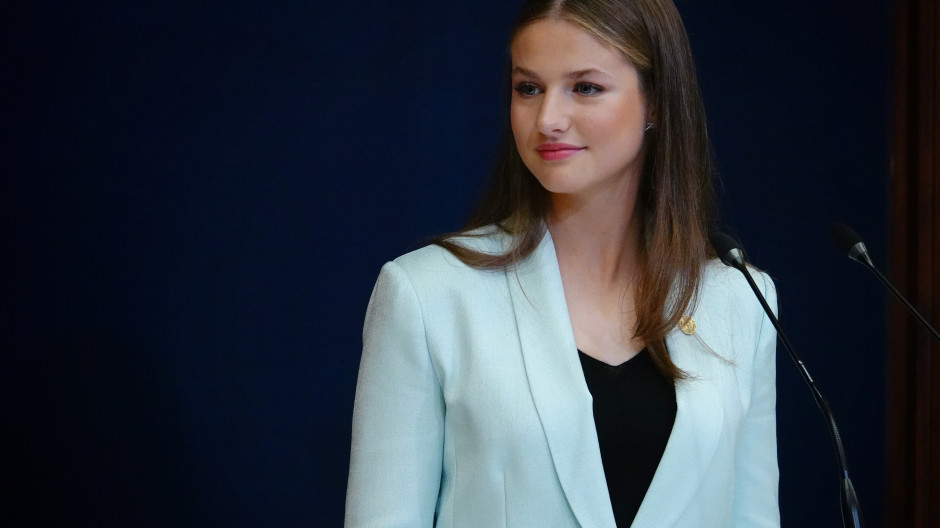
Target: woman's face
x: 578, y: 113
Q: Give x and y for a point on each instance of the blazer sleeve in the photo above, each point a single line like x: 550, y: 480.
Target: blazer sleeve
x: 756, y: 471
x: 398, y: 415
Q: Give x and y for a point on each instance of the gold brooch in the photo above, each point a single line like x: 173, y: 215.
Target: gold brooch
x: 687, y: 325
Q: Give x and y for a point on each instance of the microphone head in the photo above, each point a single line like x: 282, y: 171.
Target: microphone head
x: 844, y: 236
x: 727, y: 248
x: 850, y: 243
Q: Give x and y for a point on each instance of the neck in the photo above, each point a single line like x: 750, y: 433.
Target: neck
x: 598, y: 233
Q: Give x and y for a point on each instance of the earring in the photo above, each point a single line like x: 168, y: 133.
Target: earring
x: 649, y: 125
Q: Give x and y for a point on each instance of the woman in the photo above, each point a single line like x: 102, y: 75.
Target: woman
x: 574, y: 357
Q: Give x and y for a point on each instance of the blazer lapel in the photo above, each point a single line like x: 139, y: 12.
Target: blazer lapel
x: 695, y: 434
x: 556, y: 382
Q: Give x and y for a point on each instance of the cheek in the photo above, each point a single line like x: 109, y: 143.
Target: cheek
x: 622, y: 119
x: 517, y: 123
x: 622, y: 126
x: 515, y: 119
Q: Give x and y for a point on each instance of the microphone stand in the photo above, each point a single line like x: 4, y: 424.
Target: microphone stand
x: 730, y: 253
x: 851, y: 511
x: 849, y: 242
x: 865, y: 260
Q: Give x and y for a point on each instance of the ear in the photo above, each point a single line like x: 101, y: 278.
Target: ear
x: 652, y: 116
x: 651, y: 119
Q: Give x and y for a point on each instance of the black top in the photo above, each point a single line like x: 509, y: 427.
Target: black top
x: 634, y: 409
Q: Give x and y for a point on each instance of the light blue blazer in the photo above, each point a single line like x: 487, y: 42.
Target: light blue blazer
x: 471, y: 408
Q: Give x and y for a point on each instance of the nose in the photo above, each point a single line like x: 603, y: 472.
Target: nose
x: 554, y: 114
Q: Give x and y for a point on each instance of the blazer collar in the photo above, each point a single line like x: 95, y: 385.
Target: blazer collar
x: 695, y: 434
x: 557, y: 384
x: 565, y: 406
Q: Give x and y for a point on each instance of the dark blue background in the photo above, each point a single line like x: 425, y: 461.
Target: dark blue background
x: 198, y: 198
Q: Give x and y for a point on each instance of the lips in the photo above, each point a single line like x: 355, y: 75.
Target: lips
x: 557, y: 151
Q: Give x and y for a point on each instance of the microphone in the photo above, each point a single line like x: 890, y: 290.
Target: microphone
x: 728, y: 250
x: 851, y: 244
x: 731, y: 254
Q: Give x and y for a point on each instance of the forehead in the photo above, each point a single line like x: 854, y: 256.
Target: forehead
x: 558, y: 44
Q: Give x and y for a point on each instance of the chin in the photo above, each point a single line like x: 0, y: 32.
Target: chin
x: 563, y: 183
x: 556, y: 185
x: 555, y: 180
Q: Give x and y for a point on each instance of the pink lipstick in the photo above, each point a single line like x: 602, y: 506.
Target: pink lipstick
x: 557, y: 151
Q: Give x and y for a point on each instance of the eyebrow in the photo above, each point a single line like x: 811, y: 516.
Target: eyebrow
x: 580, y: 74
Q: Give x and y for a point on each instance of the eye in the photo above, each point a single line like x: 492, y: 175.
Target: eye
x: 526, y: 89
x: 587, y: 89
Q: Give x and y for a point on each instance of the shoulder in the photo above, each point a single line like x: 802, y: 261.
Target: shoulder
x: 434, y: 258
x: 729, y: 316
x: 489, y: 239
x: 433, y: 268
x: 726, y: 286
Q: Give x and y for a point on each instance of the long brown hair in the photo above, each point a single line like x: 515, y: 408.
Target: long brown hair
x: 676, y: 198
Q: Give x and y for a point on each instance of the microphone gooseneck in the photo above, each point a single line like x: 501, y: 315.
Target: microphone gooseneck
x: 730, y: 253
x: 852, y: 245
